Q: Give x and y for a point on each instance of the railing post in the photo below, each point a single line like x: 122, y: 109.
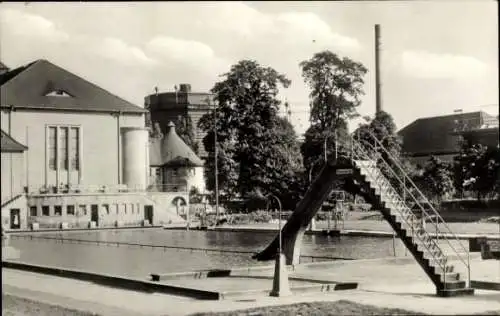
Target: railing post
x: 404, y: 189
x: 468, y: 265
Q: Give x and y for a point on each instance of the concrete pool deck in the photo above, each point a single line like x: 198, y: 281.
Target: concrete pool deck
x: 394, y: 283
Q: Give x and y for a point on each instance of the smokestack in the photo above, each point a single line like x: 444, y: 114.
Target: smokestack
x: 378, y: 101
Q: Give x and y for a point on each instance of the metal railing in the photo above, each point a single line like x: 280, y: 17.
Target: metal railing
x: 365, y: 150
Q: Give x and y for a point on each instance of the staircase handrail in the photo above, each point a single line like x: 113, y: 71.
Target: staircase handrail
x: 436, y: 213
x: 442, y: 265
x: 437, y: 216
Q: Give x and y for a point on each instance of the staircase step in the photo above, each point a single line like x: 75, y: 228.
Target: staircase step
x: 439, y: 270
x: 454, y: 292
x: 453, y: 285
x: 451, y: 276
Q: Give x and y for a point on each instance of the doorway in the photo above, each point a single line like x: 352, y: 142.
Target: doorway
x: 148, y: 213
x: 15, y: 218
x: 94, y: 214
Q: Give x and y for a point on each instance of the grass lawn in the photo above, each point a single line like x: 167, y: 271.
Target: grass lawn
x: 341, y: 307
x: 16, y: 306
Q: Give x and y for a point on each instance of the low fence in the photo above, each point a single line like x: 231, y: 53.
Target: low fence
x: 162, y: 247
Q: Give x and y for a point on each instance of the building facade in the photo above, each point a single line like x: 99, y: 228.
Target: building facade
x: 442, y: 136
x: 13, y: 182
x: 86, y: 161
x: 168, y: 106
x: 173, y: 165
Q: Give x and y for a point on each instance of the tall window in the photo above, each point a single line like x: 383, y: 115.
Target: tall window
x: 67, y: 140
x: 63, y: 138
x: 52, y: 148
x: 74, y: 148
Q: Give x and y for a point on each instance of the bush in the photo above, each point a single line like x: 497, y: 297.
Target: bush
x: 259, y: 216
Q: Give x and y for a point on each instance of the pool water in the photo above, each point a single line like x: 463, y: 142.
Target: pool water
x: 137, y: 261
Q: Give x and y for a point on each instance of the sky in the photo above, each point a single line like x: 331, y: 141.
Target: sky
x: 436, y: 56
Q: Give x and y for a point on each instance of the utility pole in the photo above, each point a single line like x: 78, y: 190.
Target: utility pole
x: 378, y: 101
x: 216, y: 167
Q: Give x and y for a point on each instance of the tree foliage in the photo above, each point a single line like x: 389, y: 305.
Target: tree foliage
x: 383, y: 128
x: 437, y: 180
x: 155, y: 132
x: 256, y: 148
x: 477, y: 169
x: 336, y: 86
x: 184, y: 128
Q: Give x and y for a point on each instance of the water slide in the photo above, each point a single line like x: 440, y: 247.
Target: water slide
x: 299, y: 220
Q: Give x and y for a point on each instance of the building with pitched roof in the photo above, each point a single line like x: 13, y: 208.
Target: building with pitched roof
x: 174, y: 164
x: 441, y: 136
x: 87, y: 156
x: 72, y: 124
x: 13, y: 181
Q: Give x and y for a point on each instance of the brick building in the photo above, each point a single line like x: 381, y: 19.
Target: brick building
x: 168, y: 106
x: 441, y: 136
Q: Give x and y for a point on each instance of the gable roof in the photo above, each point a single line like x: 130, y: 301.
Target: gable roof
x: 9, y: 144
x: 3, y: 68
x: 172, y: 151
x: 28, y: 86
x: 436, y: 135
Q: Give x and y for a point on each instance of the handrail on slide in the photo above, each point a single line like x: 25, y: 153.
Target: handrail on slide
x: 354, y: 143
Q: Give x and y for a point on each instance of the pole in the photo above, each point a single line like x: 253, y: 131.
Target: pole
x: 279, y: 226
x: 336, y: 145
x: 378, y: 102
x: 394, y: 243
x: 216, y: 167
x: 324, y: 148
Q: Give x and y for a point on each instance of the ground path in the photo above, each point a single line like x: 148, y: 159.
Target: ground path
x: 384, y: 283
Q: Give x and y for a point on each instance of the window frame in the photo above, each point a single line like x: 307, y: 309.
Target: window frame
x: 57, y: 209
x: 58, y: 157
x: 45, y: 208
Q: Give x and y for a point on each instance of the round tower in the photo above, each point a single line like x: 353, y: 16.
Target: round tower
x: 135, y: 157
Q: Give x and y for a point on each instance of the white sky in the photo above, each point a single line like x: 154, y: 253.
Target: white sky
x: 437, y: 55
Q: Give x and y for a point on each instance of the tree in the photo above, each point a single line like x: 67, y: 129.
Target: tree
x: 383, y: 128
x: 477, y: 169
x: 255, y: 147
x: 437, y: 180
x: 155, y: 132
x: 336, y: 85
x: 184, y: 128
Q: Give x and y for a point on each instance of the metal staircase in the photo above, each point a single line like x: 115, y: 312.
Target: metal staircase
x: 400, y: 200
